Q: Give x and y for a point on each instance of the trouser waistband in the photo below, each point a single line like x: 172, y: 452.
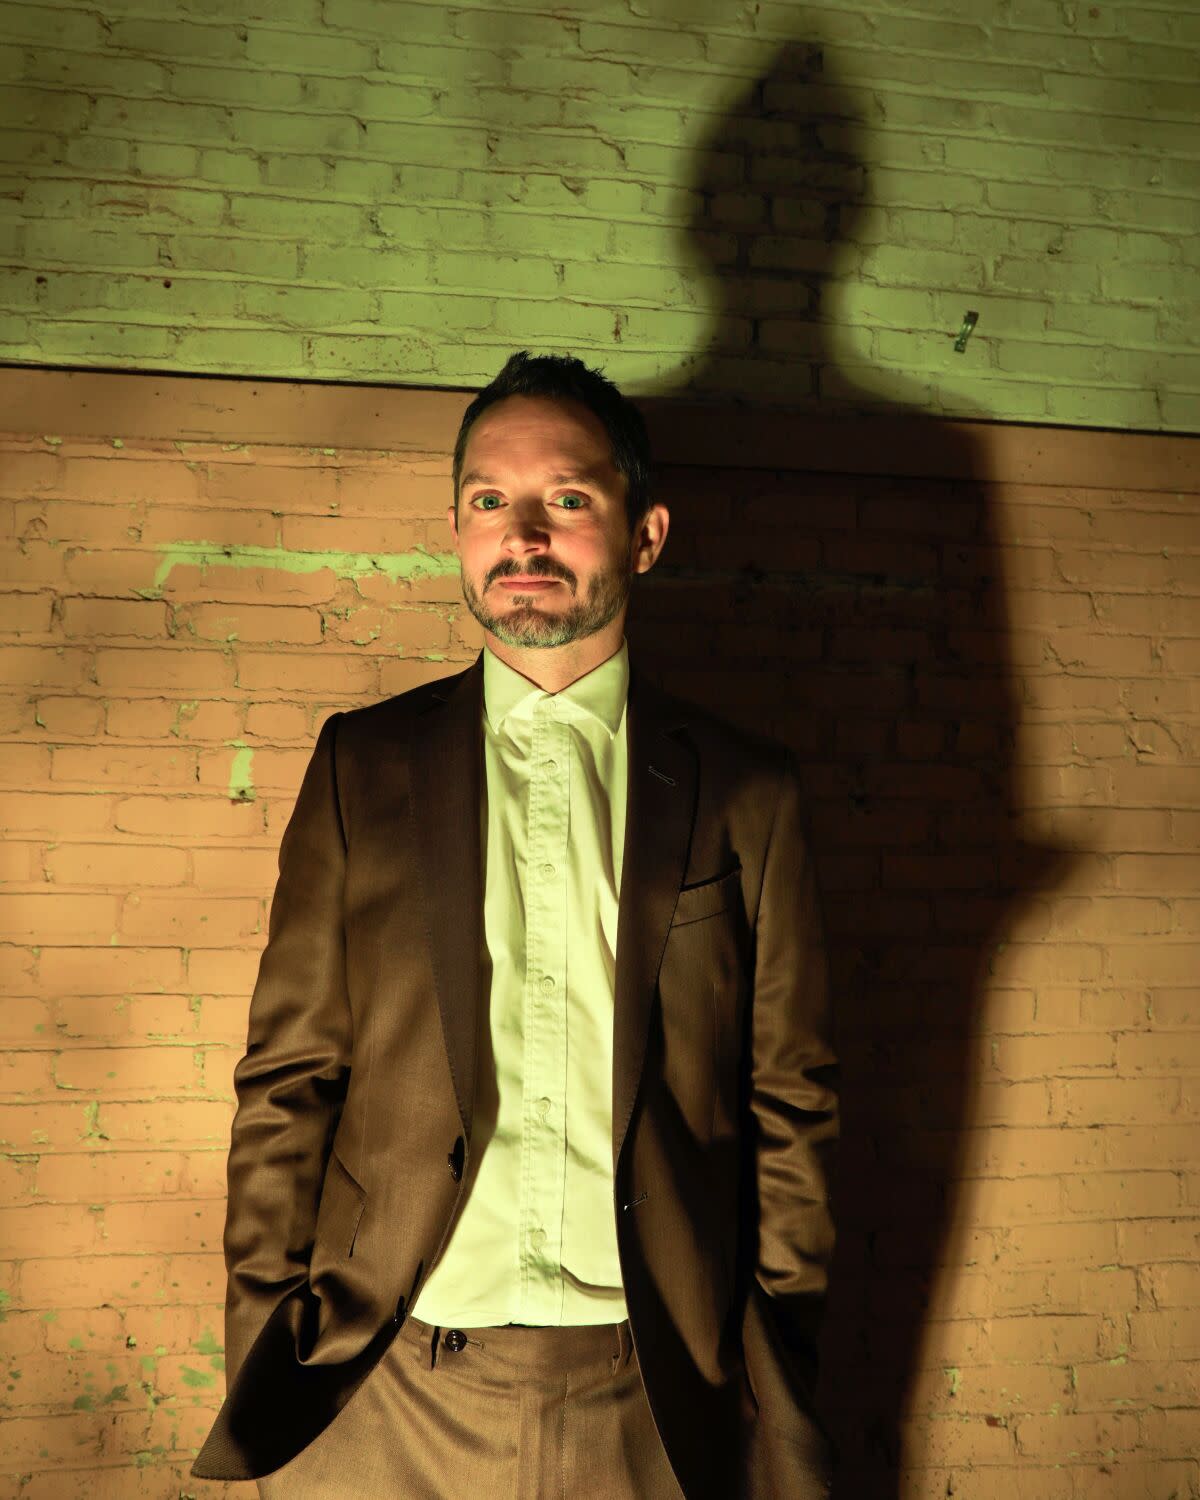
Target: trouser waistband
x: 539, y: 1349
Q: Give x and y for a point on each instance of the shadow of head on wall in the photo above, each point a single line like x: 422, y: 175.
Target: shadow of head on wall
x: 833, y: 579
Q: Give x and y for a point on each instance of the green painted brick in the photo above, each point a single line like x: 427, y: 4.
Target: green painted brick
x: 426, y: 144
x: 256, y: 86
x: 1121, y: 326
x: 383, y: 266
x: 235, y: 169
x: 979, y: 397
x: 998, y: 316
x: 367, y: 181
x: 95, y: 70
x: 1179, y: 411
x: 55, y: 339
x: 307, y: 174
x: 994, y: 159
x: 517, y: 274
x: 928, y: 351
x: 405, y: 310
x: 339, y: 222
x: 382, y: 356
x: 100, y: 153
x: 162, y: 119
x: 514, y: 32
x: 397, y: 101
x: 225, y: 252
x: 663, y: 45
x: 918, y: 267
x: 392, y: 172
x: 620, y: 199
x: 1097, y: 407
x: 240, y: 349
x: 902, y: 187
x: 858, y: 301
x: 156, y: 159
x: 1016, y: 273
x: 308, y: 53
x: 1175, y: 288
x: 1049, y: 361
x: 176, y: 39
x: 384, y: 18
x: 1056, y: 202
x: 157, y: 204
x: 498, y: 107
x: 662, y: 286
x: 77, y: 29
x: 121, y: 247
x: 1151, y: 210
x: 276, y: 130
x: 35, y: 106
x: 449, y: 63
x: 309, y: 308
x: 532, y: 320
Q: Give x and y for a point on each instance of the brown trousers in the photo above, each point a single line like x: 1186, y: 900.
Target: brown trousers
x: 515, y: 1413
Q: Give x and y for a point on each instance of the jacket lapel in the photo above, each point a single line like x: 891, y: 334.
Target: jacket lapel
x: 445, y: 788
x: 659, y: 813
x: 447, y: 783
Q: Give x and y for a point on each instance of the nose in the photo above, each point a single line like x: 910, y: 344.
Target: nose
x: 526, y: 528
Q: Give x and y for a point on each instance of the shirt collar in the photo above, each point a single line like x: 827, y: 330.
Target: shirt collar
x: 599, y: 694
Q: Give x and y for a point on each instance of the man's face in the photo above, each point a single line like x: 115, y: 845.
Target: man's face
x: 540, y: 498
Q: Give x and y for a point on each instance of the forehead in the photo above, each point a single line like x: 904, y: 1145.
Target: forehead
x: 527, y: 430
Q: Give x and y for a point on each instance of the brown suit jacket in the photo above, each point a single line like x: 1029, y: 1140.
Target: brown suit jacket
x: 353, y: 1128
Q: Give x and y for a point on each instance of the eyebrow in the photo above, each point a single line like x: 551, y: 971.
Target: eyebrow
x: 585, y: 476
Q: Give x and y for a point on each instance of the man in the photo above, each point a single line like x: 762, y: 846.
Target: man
x: 531, y: 1156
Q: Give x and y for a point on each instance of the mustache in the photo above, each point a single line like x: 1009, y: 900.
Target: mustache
x: 530, y: 572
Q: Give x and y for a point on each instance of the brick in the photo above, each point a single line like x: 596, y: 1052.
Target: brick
x: 115, y: 865
x: 189, y: 922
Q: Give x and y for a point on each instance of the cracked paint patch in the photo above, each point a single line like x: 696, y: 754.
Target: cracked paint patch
x: 241, y: 772
x: 351, y: 565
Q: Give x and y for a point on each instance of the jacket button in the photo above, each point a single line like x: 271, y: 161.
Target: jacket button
x: 456, y: 1340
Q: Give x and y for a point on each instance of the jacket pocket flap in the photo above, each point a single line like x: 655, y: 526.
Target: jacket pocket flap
x: 341, y: 1208
x: 708, y: 898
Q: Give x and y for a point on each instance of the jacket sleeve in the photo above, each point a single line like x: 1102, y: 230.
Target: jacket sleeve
x: 794, y: 1129
x: 292, y: 1080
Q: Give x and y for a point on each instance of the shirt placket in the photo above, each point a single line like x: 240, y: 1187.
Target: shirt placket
x: 543, y: 1139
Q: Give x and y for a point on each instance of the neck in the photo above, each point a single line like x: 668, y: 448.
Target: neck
x: 557, y: 667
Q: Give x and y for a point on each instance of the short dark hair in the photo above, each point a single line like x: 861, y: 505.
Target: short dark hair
x: 563, y: 377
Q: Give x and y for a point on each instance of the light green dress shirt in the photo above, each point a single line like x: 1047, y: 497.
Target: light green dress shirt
x: 536, y: 1240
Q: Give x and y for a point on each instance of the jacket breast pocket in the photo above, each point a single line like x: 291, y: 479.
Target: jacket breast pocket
x: 708, y: 898
x: 339, y: 1213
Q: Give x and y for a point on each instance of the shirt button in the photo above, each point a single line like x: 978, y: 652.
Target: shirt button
x: 547, y: 869
x: 552, y: 765
x: 547, y: 981
x: 537, y: 1238
x: 543, y: 1107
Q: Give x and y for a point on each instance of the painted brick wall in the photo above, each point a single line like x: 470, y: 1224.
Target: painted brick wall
x: 987, y: 660
x: 791, y: 203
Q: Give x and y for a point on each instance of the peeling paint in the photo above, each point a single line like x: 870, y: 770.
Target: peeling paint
x: 241, y: 772
x: 350, y: 565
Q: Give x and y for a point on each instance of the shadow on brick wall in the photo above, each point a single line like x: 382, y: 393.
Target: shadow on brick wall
x: 861, y: 618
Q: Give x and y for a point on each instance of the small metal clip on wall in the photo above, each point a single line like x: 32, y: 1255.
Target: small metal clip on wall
x: 964, y: 333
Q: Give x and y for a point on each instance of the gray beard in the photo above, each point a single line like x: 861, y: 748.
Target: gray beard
x: 524, y: 623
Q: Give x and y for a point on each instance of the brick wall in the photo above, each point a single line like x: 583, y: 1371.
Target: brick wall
x: 984, y: 644
x: 789, y: 203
